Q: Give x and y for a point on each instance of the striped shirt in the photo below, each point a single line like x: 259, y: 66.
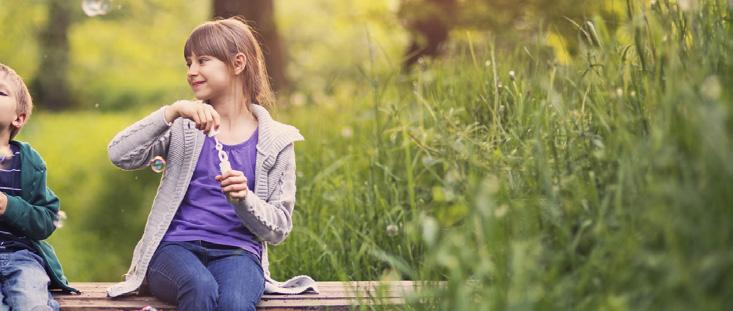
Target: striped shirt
x: 10, y: 172
x: 10, y: 185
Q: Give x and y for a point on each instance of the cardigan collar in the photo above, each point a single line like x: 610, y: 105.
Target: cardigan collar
x: 272, y: 137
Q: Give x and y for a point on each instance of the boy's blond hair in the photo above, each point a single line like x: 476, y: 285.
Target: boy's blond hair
x: 24, y: 100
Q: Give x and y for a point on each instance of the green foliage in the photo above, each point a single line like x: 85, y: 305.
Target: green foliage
x: 524, y: 182
x: 106, y: 207
x: 131, y: 57
x: 327, y: 42
x: 597, y: 185
x: 134, y: 56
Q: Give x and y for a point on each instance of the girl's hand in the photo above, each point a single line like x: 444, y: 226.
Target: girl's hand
x: 204, y: 115
x: 233, y: 184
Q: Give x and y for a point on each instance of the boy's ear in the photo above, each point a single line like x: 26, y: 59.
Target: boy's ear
x: 240, y: 62
x: 20, y: 120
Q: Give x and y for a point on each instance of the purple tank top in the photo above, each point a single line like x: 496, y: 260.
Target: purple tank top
x: 205, y: 214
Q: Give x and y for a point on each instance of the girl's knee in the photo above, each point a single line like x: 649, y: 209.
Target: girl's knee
x: 202, y: 286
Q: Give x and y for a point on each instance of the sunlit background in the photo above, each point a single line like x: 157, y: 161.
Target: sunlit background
x: 532, y: 153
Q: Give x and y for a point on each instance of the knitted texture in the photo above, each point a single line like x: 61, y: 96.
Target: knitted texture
x: 266, y: 211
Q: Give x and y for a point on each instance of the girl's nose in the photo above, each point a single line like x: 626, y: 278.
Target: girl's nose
x: 193, y: 70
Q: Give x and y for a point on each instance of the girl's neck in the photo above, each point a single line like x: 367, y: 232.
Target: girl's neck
x: 233, y: 109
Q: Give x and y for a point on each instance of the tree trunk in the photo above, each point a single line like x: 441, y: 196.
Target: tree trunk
x: 51, y: 85
x: 429, y: 23
x: 261, y: 16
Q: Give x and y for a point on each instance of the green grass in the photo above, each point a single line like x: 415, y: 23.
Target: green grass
x: 106, y: 208
x: 602, y: 183
x: 599, y: 184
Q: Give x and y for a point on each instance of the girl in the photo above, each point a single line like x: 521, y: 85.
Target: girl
x: 205, y: 241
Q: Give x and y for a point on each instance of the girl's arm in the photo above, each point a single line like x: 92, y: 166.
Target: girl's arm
x: 135, y: 146
x: 271, y: 220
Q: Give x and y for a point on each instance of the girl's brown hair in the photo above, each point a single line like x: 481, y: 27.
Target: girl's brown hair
x: 225, y: 38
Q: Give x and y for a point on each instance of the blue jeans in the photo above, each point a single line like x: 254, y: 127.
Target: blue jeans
x: 203, y: 276
x: 24, y: 282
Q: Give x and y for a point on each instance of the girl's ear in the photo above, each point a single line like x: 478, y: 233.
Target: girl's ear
x: 240, y: 62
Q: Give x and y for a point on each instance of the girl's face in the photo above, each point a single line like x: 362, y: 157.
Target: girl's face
x: 208, y: 76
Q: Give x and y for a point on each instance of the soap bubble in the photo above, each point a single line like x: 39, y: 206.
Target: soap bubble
x: 96, y: 7
x: 158, y: 164
x: 59, y: 221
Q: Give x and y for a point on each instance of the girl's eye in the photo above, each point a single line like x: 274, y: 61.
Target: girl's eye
x: 2, y: 93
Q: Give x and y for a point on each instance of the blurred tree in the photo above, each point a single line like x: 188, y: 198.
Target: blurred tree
x: 515, y: 20
x: 51, y: 84
x: 509, y: 21
x: 261, y: 16
x: 429, y: 22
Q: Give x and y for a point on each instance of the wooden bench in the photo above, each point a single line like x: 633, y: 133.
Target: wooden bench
x: 332, y: 296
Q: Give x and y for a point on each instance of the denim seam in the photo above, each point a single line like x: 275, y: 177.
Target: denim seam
x: 150, y: 269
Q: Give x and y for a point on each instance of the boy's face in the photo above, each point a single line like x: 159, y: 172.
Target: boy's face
x: 9, y: 105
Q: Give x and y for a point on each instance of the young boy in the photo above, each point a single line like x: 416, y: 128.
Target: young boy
x: 28, y: 210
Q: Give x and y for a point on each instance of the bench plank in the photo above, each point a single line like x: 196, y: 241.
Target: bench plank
x: 331, y: 296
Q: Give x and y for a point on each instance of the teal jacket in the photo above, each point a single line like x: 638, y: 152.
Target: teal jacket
x: 34, y: 212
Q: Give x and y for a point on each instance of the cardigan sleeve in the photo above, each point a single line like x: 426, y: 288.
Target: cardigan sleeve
x: 271, y: 220
x: 135, y: 146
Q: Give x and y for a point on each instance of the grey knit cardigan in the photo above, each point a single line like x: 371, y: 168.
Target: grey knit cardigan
x: 266, y: 211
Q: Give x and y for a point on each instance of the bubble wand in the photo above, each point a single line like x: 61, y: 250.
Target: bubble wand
x: 158, y: 164
x: 224, y: 165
